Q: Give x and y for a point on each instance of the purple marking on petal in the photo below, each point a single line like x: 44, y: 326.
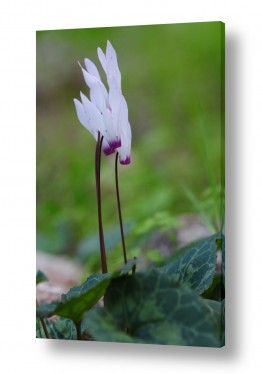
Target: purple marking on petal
x: 126, y: 161
x: 115, y: 143
x: 108, y: 150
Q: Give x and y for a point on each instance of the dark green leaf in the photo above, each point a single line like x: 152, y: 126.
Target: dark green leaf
x: 216, y: 290
x: 76, y: 302
x: 81, y: 298
x: 47, y: 310
x: 39, y: 329
x: 195, y: 266
x: 153, y: 309
x: 60, y: 328
x: 218, y: 310
x: 40, y: 277
x: 101, y: 324
x: 223, y: 322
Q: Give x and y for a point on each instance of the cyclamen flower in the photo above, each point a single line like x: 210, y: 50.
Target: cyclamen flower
x: 107, y: 110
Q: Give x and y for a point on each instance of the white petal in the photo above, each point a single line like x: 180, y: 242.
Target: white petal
x: 115, y: 98
x: 112, y: 65
x: 125, y: 149
x: 94, y: 117
x: 90, y: 79
x: 97, y: 97
x: 126, y: 135
x: 112, y: 135
x: 81, y: 114
x: 102, y: 58
x: 91, y: 68
x: 92, y: 82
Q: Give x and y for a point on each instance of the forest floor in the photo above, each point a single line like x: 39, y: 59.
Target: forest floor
x: 63, y: 272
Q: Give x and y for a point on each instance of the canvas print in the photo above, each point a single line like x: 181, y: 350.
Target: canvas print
x: 130, y: 184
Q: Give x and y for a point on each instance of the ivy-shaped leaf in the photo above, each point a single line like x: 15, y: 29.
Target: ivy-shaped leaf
x: 195, y: 266
x: 103, y: 327
x: 81, y: 298
x: 40, y: 277
x: 151, y: 308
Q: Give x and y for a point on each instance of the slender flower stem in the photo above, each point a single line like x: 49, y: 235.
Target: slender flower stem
x: 119, y: 210
x: 98, y: 194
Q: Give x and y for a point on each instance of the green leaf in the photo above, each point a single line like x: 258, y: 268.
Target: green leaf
x: 218, y: 310
x: 39, y: 329
x: 76, y: 302
x: 81, y: 298
x: 101, y: 324
x: 62, y: 328
x: 40, y: 277
x: 195, y: 266
x: 216, y: 290
x: 151, y: 308
x: 223, y: 322
x: 47, y: 310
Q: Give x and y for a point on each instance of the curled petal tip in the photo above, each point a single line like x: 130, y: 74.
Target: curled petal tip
x: 125, y: 161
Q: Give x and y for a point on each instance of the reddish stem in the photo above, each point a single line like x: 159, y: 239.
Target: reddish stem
x: 119, y: 210
x: 99, y: 208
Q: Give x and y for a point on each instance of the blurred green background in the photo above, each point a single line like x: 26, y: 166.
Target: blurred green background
x: 172, y: 78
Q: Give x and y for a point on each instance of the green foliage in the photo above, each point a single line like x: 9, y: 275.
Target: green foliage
x: 137, y: 237
x: 81, y: 298
x: 157, y: 306
x: 167, y: 101
x: 151, y: 308
x: 161, y: 306
x: 47, y: 310
x: 216, y: 291
x: 223, y: 327
x: 60, y: 328
x: 161, y: 221
x: 40, y: 277
x: 207, y: 206
x: 196, y: 265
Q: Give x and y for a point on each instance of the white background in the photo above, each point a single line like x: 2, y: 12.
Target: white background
x: 20, y: 351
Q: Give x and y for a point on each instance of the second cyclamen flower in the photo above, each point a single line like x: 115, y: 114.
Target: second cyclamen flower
x: 107, y: 110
